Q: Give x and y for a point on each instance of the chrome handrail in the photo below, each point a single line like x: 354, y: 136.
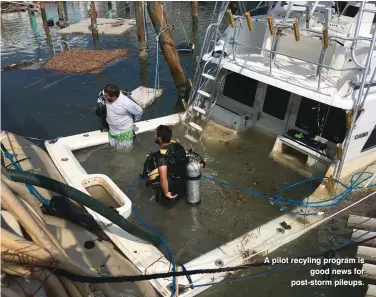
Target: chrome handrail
x: 296, y: 58
x: 356, y: 33
x: 356, y: 108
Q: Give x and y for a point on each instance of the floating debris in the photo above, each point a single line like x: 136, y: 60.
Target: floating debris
x: 21, y: 64
x: 80, y: 61
x: 104, y: 26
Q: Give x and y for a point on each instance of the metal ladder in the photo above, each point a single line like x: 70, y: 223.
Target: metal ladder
x: 204, y: 75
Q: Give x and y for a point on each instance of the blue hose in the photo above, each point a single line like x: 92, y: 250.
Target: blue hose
x: 280, y: 200
x: 276, y: 198
x: 171, y: 256
x: 31, y: 189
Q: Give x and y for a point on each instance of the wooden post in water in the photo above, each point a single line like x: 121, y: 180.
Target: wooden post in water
x: 140, y: 24
x: 194, y: 22
x: 43, y: 11
x: 167, y: 43
x: 60, y: 10
x: 93, y: 16
x: 65, y: 11
x: 144, y: 67
x: 61, y: 22
x: 45, y: 26
x: 194, y: 12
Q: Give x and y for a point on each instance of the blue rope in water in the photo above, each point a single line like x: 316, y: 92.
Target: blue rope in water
x: 279, y: 200
x: 31, y: 189
x: 170, y: 254
x: 342, y: 196
x: 282, y: 202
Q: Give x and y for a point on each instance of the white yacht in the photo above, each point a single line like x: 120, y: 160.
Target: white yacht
x: 303, y: 73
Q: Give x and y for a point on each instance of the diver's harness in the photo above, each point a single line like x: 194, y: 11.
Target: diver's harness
x: 151, y: 174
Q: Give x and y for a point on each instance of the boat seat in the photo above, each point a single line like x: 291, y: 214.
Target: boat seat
x: 301, y: 156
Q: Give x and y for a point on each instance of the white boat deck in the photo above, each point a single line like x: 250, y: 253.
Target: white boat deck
x: 301, y: 80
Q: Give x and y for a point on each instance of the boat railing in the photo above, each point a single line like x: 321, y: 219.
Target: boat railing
x: 364, y: 70
x: 60, y: 43
x: 318, y: 64
x: 207, y: 49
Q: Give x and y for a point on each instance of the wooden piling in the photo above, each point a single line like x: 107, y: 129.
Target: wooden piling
x: 96, y: 41
x: 43, y: 11
x: 140, y: 24
x: 60, y: 10
x: 194, y: 9
x: 65, y: 11
x: 195, y: 14
x: 143, y: 71
x: 93, y: 16
x: 44, y: 20
x: 167, y: 43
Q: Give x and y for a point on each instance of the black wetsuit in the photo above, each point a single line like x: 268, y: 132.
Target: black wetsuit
x: 176, y: 161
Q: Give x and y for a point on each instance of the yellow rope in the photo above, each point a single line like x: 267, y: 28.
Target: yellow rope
x: 185, y: 32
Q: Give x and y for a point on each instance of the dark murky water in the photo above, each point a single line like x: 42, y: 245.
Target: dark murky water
x: 47, y: 104
x: 224, y: 213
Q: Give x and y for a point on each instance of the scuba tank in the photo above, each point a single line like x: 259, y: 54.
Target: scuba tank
x: 193, y: 175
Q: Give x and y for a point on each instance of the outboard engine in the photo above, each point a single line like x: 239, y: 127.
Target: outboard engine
x: 193, y: 176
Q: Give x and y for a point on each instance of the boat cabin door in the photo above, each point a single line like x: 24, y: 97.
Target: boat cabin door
x: 273, y: 108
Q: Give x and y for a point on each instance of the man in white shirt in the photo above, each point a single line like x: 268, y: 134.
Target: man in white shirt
x: 121, y: 112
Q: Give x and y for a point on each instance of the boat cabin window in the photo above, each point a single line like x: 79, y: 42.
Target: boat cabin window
x: 276, y: 102
x: 240, y: 88
x: 351, y: 11
x: 321, y: 119
x: 371, y: 141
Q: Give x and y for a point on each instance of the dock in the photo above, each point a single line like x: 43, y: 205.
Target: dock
x: 367, y: 251
x: 105, y: 26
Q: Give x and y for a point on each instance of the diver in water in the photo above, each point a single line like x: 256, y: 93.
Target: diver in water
x: 173, y: 172
x: 169, y: 168
x: 118, y: 112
